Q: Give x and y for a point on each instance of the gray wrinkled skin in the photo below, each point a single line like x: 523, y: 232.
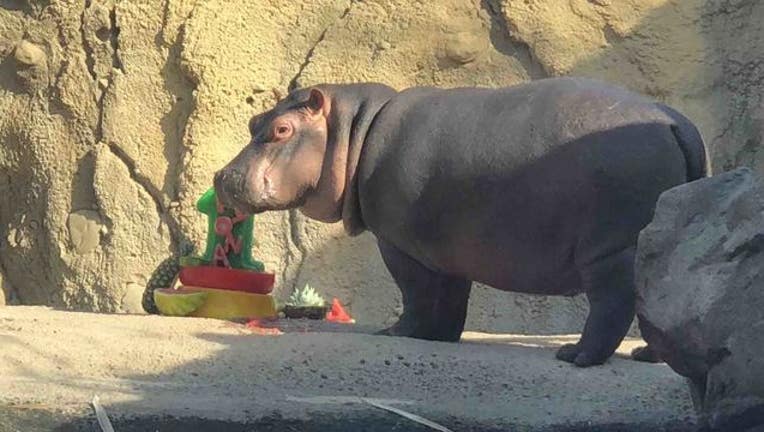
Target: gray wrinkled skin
x: 537, y: 188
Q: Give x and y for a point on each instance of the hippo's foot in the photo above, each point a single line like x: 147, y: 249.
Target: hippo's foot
x: 573, y: 353
x: 424, y: 330
x: 405, y: 328
x: 645, y: 354
x: 410, y: 327
x: 609, y: 285
x: 434, y: 304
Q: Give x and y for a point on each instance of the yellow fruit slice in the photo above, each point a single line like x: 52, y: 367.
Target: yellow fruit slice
x: 229, y: 304
x: 178, y: 302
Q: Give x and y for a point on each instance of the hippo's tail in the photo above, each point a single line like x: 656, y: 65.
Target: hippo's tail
x: 690, y: 142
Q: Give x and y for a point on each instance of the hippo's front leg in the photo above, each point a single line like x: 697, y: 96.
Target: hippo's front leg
x: 434, y: 304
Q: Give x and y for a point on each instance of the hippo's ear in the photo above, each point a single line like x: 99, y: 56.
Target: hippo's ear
x: 316, y: 103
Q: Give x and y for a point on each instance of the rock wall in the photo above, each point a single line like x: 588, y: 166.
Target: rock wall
x: 114, y: 115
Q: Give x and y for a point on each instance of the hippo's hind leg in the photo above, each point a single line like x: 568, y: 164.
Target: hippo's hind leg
x: 609, y: 286
x: 645, y: 354
x: 434, y: 304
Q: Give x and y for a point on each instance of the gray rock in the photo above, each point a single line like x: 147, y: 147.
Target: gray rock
x: 700, y: 293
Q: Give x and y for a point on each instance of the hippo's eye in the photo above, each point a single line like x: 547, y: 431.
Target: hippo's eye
x: 282, y: 130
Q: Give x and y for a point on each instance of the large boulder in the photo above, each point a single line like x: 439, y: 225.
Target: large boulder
x: 701, y: 293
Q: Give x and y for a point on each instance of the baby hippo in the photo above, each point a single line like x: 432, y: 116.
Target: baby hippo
x: 537, y: 188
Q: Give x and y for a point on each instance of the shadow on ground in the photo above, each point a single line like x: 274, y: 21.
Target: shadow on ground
x: 370, y: 421
x: 166, y: 374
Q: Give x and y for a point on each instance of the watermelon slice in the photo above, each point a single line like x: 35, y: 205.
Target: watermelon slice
x: 337, y: 314
x: 231, y: 304
x: 178, y: 302
x: 259, y: 327
x: 227, y: 279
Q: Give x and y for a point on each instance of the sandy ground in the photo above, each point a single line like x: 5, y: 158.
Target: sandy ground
x: 147, y: 367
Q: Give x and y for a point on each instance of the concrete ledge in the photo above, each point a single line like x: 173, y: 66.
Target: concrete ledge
x: 152, y: 371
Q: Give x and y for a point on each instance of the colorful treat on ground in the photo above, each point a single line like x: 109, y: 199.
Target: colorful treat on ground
x: 257, y: 327
x: 229, y: 237
x: 228, y: 304
x: 305, y: 303
x: 178, y: 302
x: 164, y: 276
x: 225, y: 282
x: 337, y: 314
x: 227, y: 278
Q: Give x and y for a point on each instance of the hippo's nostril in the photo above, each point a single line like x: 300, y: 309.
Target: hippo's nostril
x: 218, y: 179
x: 220, y: 185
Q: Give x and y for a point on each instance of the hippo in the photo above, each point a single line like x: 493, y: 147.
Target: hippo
x: 540, y: 188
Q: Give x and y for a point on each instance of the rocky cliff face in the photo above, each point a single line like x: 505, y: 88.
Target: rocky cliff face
x: 114, y: 115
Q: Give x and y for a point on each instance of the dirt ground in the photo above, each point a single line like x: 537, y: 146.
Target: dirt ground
x: 160, y: 373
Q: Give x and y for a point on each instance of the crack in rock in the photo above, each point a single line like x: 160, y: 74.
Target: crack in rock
x: 90, y: 60
x: 288, y: 256
x: 175, y: 121
x: 98, y: 132
x: 293, y: 83
x: 296, y: 237
x: 141, y: 180
x: 116, y: 61
x: 11, y: 293
x: 54, y: 97
x: 61, y: 39
x: 183, y: 105
x: 145, y: 183
x: 89, y: 54
x: 522, y: 50
x: 165, y: 21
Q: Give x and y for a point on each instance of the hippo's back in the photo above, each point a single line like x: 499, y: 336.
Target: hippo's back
x: 526, y: 120
x: 514, y: 186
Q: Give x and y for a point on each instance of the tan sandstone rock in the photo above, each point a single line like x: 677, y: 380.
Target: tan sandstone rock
x: 29, y: 54
x: 84, y: 230
x: 4, y: 292
x: 138, y: 103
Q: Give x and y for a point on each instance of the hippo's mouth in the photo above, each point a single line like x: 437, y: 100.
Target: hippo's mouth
x: 270, y: 204
x: 231, y: 195
x: 264, y: 204
x: 234, y: 192
x: 253, y: 190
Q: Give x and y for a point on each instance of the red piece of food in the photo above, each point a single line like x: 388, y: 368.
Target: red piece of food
x: 337, y: 314
x: 256, y: 326
x: 227, y: 279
